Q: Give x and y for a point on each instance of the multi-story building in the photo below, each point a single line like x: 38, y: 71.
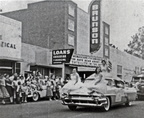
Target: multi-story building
x: 48, y: 26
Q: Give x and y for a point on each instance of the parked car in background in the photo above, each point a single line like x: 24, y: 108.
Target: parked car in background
x: 37, y: 91
x: 116, y: 94
x: 138, y: 83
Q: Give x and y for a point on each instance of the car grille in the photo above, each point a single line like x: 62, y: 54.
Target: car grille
x: 84, y: 100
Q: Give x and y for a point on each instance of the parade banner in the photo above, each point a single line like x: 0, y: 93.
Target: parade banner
x: 85, y: 60
x: 61, y: 56
x: 94, y: 10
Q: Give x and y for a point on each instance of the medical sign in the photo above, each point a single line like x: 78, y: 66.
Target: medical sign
x: 94, y: 10
x: 61, y: 56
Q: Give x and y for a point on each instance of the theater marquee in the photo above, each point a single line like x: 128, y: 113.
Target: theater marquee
x: 94, y: 10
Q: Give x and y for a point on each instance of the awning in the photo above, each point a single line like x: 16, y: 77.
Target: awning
x: 11, y: 59
x: 8, y: 68
x: 47, y: 66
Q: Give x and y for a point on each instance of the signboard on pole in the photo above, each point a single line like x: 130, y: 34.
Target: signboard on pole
x: 61, y: 56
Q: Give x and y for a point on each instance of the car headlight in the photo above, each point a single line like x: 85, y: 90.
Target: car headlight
x: 64, y: 95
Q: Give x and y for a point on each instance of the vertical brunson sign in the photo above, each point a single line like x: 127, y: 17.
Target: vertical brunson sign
x: 94, y: 10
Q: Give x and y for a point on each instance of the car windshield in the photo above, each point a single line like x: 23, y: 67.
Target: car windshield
x: 137, y: 79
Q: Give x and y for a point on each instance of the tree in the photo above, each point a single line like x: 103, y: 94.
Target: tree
x: 136, y: 46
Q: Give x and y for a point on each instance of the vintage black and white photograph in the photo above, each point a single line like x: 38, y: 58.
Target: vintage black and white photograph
x: 71, y: 58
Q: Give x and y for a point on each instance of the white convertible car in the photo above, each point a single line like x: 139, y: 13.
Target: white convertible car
x: 116, y: 93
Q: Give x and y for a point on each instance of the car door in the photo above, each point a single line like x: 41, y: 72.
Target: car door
x: 119, y: 92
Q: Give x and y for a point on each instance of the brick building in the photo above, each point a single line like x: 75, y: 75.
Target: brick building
x: 52, y: 25
x: 48, y: 25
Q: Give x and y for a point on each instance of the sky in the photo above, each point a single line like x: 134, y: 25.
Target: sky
x: 124, y: 16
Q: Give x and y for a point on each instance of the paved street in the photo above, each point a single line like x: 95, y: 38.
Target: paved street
x: 54, y: 109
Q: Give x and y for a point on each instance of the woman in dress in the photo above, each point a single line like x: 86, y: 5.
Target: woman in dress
x: 99, y: 81
x: 103, y: 66
x: 3, y: 89
x: 49, y: 93
x: 9, y: 87
x: 105, y: 71
x: 74, y: 83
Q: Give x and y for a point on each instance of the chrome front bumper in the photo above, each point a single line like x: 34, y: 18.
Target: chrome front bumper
x: 85, y: 101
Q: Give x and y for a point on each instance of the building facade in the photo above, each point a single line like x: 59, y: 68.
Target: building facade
x: 57, y: 25
x: 10, y: 45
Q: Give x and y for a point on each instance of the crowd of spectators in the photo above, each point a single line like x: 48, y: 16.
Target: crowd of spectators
x: 17, y: 88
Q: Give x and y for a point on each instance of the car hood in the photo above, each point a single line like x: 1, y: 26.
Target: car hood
x: 86, y: 91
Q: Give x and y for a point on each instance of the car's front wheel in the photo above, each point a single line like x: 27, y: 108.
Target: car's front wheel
x: 72, y: 107
x: 107, y: 106
x: 35, y: 97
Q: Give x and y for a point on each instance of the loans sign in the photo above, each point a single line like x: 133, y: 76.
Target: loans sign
x: 61, y: 56
x: 94, y: 10
x: 84, y: 60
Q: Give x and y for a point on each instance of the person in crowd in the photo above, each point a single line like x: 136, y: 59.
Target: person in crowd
x: 18, y: 93
x: 9, y: 87
x: 3, y: 89
x: 137, y: 84
x: 67, y: 78
x: 58, y: 87
x: 53, y: 86
x: 38, y: 83
x: 24, y: 89
x: 49, y: 93
x: 15, y: 83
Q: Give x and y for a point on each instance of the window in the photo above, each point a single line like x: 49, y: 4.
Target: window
x: 70, y: 39
x: 107, y: 30
x: 106, y: 41
x: 18, y: 68
x: 0, y: 37
x: 106, y: 51
x: 106, y: 36
x: 119, y: 70
x: 71, y: 10
x: 70, y: 24
x: 119, y: 84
